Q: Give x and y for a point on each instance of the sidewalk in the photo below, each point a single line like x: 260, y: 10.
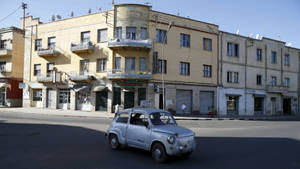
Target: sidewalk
x: 77, y: 113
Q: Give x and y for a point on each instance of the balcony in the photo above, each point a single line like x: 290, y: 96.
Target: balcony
x: 55, y: 77
x: 5, y: 52
x: 81, y: 76
x: 83, y: 47
x: 277, y: 89
x: 129, y: 43
x: 49, y: 52
x: 125, y: 74
x: 4, y: 70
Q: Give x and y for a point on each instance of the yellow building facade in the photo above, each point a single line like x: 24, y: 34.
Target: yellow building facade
x: 129, y: 56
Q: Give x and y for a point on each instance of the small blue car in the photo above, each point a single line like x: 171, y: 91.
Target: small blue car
x: 153, y: 130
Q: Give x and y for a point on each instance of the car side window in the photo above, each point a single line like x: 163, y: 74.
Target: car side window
x: 138, y: 119
x: 122, y: 118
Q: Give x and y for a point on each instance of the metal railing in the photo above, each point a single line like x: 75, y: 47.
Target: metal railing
x: 147, y: 43
x: 127, y: 73
x: 82, y: 46
x: 47, y: 51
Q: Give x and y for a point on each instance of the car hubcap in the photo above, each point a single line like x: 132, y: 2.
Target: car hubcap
x: 113, y: 141
x: 157, y: 153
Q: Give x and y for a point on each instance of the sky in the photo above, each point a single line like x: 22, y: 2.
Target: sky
x: 269, y: 18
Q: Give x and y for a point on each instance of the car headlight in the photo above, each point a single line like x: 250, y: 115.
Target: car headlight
x: 171, y: 139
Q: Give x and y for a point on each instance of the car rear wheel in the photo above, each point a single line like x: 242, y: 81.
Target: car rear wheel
x: 159, y: 153
x: 114, y: 142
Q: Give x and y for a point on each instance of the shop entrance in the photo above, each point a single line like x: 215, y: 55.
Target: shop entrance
x: 128, y: 99
x: 287, y: 106
x: 2, y: 96
x: 258, y: 105
x: 101, y: 100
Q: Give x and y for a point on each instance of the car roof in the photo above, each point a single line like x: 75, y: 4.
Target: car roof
x: 144, y: 110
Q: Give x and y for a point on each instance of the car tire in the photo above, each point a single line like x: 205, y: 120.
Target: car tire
x: 114, y: 142
x: 159, y: 153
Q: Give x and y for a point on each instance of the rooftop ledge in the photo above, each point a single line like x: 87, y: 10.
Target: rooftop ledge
x: 123, y: 43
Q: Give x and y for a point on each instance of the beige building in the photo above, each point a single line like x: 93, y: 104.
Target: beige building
x: 127, y: 56
x: 257, y: 76
x: 11, y: 66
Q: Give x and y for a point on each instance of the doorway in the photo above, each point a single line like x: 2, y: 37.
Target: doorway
x: 101, y: 100
x: 2, y: 96
x: 50, y: 96
x: 287, y: 106
x: 273, y: 105
x: 128, y: 100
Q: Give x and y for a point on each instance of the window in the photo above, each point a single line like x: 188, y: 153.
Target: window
x: 50, y: 67
x: 258, y: 104
x: 85, y: 36
x: 184, y: 40
x: 122, y: 118
x: 37, y: 69
x: 38, y: 44
x: 101, y: 65
x: 2, y: 66
x: 142, y: 64
x: 207, y: 71
x: 138, y: 119
x: 161, y: 36
x: 118, y: 63
x: 84, y: 67
x: 102, y: 35
x: 185, y: 68
x: 119, y: 32
x: 287, y: 82
x: 155, y: 62
x: 36, y: 95
x: 51, y: 42
x: 232, y: 103
x: 232, y: 77
x: 3, y: 44
x: 287, y: 60
x: 64, y: 96
x: 259, y: 54
x: 130, y: 63
x: 259, y: 79
x: 143, y: 33
x: 207, y: 44
x: 274, y: 81
x: 232, y: 49
x: 162, y: 66
x: 274, y: 57
x: 131, y: 33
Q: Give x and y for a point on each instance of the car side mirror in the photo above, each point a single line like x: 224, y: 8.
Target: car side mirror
x: 146, y: 124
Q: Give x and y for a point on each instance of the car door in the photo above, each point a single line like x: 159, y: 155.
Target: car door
x: 137, y: 132
x: 120, y: 124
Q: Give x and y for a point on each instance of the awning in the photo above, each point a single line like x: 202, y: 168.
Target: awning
x: 36, y: 85
x: 4, y: 85
x: 82, y: 88
x: 99, y: 88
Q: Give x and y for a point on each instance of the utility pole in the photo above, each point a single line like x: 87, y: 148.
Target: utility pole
x: 24, y: 7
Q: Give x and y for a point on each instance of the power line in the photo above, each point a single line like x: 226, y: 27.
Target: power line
x: 10, y: 14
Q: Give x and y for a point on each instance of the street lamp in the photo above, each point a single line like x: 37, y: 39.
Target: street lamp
x: 171, y: 23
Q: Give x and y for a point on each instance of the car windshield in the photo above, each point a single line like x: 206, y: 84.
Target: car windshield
x: 161, y: 118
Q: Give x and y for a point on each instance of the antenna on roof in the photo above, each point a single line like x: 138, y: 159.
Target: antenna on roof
x: 147, y: 3
x: 250, y: 35
x: 100, y: 9
x: 72, y: 14
x: 53, y: 18
x: 257, y: 36
x: 113, y: 2
x: 289, y: 44
x: 90, y: 11
x: 237, y: 31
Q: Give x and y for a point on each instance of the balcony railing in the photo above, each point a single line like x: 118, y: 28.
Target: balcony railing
x: 47, y: 52
x: 128, y: 74
x: 83, y: 47
x: 276, y: 89
x: 5, y: 52
x: 55, y: 77
x: 81, y: 76
x: 129, y: 43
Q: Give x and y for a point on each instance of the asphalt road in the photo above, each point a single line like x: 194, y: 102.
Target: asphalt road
x: 30, y: 141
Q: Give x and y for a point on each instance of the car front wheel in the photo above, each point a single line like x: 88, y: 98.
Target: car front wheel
x: 159, y: 153
x: 114, y: 142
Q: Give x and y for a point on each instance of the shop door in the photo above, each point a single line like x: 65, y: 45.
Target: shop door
x: 101, y: 100
x: 183, y: 97
x: 50, y: 97
x: 206, y: 102
x: 287, y: 106
x: 2, y: 96
x: 64, y: 99
x: 128, y: 100
x: 258, y: 105
x: 273, y: 105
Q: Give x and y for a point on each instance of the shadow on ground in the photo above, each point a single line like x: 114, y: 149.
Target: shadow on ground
x: 40, y: 146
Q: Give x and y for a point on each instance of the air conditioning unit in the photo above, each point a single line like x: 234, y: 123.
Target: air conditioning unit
x: 156, y: 88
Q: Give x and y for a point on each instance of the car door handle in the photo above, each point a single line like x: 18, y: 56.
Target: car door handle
x: 140, y: 140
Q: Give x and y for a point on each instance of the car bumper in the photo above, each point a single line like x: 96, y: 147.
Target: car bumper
x: 180, y: 148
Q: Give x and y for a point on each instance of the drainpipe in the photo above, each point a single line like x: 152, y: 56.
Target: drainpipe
x: 221, y: 69
x: 245, y: 89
